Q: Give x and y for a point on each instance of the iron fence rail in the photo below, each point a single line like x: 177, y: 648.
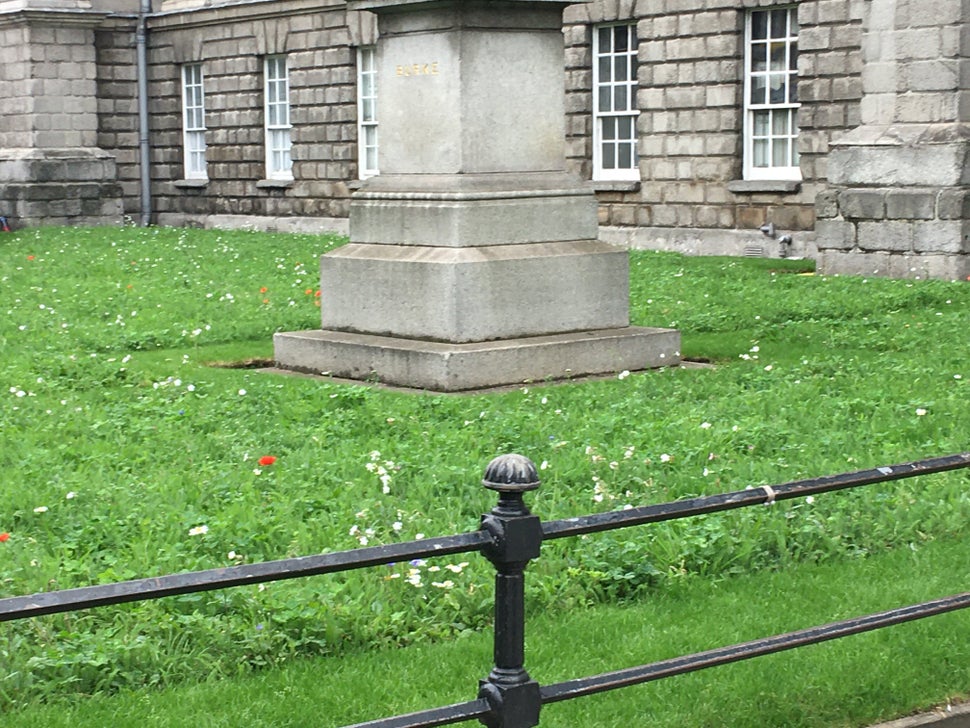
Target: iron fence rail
x: 581, y: 687
x: 85, y: 597
x: 510, y: 536
x: 747, y: 650
x: 754, y: 496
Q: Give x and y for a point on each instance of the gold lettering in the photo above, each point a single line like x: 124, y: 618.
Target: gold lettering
x: 417, y: 69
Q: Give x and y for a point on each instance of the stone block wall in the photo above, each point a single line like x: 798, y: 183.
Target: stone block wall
x: 117, y: 99
x: 691, y: 195
x: 51, y: 169
x: 896, y: 203
x: 320, y: 48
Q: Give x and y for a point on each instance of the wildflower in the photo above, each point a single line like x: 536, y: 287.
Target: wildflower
x: 920, y: 412
x: 623, y: 375
x: 263, y: 289
x: 71, y: 495
x: 456, y: 568
x: 665, y: 458
x: 242, y: 392
x: 705, y: 425
x: 809, y: 499
x: 397, y: 525
x: 199, y: 530
x: 446, y: 584
x: 4, y: 537
x: 267, y: 460
x: 40, y: 509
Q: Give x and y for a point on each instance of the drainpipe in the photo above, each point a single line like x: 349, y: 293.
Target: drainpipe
x: 141, y: 51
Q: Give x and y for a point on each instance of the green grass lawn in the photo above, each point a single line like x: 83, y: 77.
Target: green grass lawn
x: 127, y: 454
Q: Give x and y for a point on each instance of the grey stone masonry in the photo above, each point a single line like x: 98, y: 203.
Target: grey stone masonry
x: 691, y: 70
x: 898, y: 182
x: 51, y: 169
x: 473, y: 259
x: 231, y: 43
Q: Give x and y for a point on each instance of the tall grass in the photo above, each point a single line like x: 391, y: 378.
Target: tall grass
x: 125, y: 454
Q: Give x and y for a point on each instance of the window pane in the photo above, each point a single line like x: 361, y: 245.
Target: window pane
x: 609, y: 129
x: 779, y: 153
x: 625, y: 127
x: 779, y: 23
x: 621, y: 101
x: 793, y: 88
x: 777, y: 88
x: 778, y: 57
x: 620, y: 39
x: 779, y: 122
x: 626, y: 156
x: 603, y: 36
x: 758, y: 89
x: 620, y: 65
x: 759, y: 57
x: 759, y: 148
x: 368, y: 110
x: 759, y: 25
x: 604, y: 69
x: 605, y: 99
x: 761, y: 123
x: 609, y: 156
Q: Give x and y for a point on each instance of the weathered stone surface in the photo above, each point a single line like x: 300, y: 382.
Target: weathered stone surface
x: 474, y: 294
x: 447, y: 367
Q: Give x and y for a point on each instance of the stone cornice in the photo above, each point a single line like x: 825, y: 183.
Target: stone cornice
x: 59, y: 17
x: 216, y: 14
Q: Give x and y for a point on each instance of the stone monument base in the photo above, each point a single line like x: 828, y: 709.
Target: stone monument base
x: 446, y: 367
x: 59, y: 187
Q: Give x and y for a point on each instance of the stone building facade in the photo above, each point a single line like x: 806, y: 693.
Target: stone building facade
x: 833, y: 129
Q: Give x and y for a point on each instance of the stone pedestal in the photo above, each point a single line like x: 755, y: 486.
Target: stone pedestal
x: 473, y: 258
x: 898, y: 202
x: 51, y: 170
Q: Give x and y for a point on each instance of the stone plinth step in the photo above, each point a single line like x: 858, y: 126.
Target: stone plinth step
x: 445, y: 367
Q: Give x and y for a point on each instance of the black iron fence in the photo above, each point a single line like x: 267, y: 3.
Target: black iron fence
x: 510, y: 537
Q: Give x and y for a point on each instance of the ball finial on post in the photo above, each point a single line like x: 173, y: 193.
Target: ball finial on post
x: 511, y: 474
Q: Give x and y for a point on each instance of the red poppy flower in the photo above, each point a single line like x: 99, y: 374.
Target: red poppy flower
x: 4, y: 537
x: 267, y: 460
x: 263, y: 289
x: 308, y: 291
x: 317, y: 294
x: 30, y: 257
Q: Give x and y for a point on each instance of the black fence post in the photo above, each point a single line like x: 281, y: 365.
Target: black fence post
x: 516, y: 539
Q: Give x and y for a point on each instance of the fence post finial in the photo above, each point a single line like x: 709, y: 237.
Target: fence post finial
x: 516, y: 540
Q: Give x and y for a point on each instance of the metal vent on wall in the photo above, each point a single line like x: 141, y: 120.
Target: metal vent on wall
x: 754, y: 251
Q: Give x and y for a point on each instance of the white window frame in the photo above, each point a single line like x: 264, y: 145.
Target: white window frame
x: 193, y: 122
x: 615, y: 108
x: 771, y: 124
x: 367, y: 140
x: 279, y: 163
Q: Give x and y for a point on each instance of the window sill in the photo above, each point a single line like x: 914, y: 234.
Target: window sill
x: 616, y: 186
x: 274, y: 183
x: 750, y: 186
x: 190, y: 183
